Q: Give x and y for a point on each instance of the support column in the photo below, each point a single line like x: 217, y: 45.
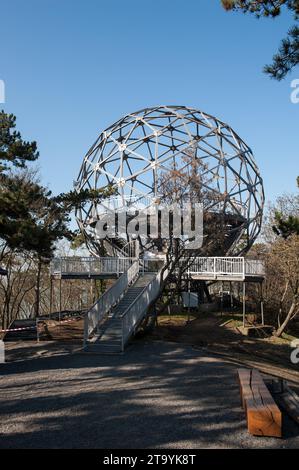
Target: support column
x: 51, y: 296
x: 262, y: 304
x: 222, y: 287
x: 91, y: 291
x: 188, y: 321
x: 60, y: 299
x: 244, y: 303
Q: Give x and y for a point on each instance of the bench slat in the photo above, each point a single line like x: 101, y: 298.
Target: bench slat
x: 263, y: 415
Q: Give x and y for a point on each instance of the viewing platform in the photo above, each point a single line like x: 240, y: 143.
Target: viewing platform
x: 201, y: 268
x: 89, y: 267
x: 226, y: 269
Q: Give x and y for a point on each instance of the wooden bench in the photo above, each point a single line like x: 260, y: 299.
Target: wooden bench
x: 263, y: 415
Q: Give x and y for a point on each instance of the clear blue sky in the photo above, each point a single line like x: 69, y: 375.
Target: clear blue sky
x: 73, y: 67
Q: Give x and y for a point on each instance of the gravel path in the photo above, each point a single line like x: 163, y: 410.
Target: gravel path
x: 156, y: 395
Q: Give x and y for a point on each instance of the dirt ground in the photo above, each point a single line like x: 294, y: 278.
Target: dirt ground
x: 212, y: 332
x: 157, y: 395
x: 173, y: 388
x: 64, y: 331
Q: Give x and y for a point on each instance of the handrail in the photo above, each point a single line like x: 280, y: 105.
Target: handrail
x: 90, y: 265
x: 129, y: 250
x: 212, y: 266
x: 136, y: 311
x: 234, y: 266
x: 254, y: 267
x: 104, y: 304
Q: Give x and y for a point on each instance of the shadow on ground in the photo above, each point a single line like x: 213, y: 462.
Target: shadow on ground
x: 156, y: 395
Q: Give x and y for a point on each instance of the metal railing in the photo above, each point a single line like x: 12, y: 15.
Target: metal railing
x: 90, y: 265
x: 254, y: 267
x: 232, y: 267
x: 210, y: 267
x: 235, y: 267
x: 132, y: 317
x: 105, y: 303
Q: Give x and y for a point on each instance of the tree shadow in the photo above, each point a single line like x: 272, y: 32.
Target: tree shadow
x: 156, y: 395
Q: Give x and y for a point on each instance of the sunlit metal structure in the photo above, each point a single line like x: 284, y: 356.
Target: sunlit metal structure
x: 151, y: 159
x: 147, y: 148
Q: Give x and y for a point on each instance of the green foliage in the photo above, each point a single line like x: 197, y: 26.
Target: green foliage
x: 75, y: 199
x: 78, y: 241
x: 288, y: 54
x: 267, y: 8
x: 31, y: 218
x: 286, y: 226
x: 14, y: 151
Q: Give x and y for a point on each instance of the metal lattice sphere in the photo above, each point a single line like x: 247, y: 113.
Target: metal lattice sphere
x: 149, y: 154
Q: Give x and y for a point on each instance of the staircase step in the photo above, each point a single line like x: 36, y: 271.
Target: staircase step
x: 108, y: 340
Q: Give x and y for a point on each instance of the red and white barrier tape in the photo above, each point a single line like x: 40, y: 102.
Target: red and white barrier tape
x: 19, y: 329
x: 34, y: 327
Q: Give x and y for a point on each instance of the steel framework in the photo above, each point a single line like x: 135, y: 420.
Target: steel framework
x: 141, y: 151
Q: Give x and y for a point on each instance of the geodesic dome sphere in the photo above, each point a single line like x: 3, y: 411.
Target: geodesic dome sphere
x: 148, y: 154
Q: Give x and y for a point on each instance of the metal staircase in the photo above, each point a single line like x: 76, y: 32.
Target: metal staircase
x: 108, y: 338
x: 114, y: 318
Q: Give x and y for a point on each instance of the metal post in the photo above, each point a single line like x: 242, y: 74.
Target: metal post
x: 51, y: 296
x: 189, y: 300
x: 85, y: 331
x: 222, y: 286
x: 60, y: 300
x: 262, y: 305
x: 91, y: 292
x: 244, y: 303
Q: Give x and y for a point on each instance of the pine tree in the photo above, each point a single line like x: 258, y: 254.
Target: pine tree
x: 286, y: 226
x: 287, y: 56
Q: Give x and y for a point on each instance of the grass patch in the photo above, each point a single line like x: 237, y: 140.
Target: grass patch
x: 288, y: 337
x: 175, y: 319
